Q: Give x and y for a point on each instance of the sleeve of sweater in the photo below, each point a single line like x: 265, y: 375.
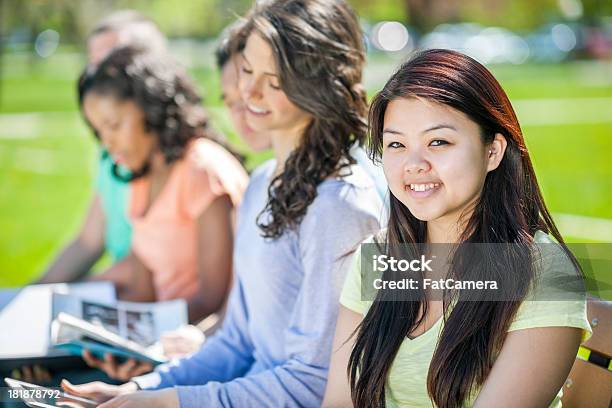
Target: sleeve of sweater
x: 225, y: 356
x: 327, y: 236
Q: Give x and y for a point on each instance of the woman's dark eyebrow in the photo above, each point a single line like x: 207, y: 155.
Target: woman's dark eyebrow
x: 440, y: 126
x: 436, y: 127
x: 392, y: 131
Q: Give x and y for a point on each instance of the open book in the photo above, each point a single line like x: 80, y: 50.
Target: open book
x: 124, y: 329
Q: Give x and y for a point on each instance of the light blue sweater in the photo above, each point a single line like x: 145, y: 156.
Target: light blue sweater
x: 274, y: 347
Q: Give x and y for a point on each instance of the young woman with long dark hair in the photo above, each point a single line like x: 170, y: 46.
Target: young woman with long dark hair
x: 303, y: 214
x: 459, y: 173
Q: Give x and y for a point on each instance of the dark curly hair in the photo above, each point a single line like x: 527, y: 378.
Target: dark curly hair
x: 171, y: 105
x: 319, y: 52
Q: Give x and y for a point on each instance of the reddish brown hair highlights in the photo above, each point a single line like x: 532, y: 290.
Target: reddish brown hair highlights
x: 510, y: 210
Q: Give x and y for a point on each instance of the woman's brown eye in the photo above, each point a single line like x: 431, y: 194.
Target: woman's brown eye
x: 438, y: 142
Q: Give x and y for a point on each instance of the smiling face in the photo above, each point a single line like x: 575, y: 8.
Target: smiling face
x: 267, y: 106
x: 434, y: 158
x: 121, y: 127
x: 230, y: 94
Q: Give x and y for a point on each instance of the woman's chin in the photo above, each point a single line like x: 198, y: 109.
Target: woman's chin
x: 422, y: 215
x: 257, y: 124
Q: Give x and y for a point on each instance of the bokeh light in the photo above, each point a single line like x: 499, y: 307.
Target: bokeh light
x: 390, y: 36
x: 563, y: 37
x: 46, y: 43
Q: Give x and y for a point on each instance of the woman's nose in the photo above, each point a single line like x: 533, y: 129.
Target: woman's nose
x: 251, y: 90
x: 416, y: 163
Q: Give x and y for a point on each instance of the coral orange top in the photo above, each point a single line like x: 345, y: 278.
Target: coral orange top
x: 165, y: 237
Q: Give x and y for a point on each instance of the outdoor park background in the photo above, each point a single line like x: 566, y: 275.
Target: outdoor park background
x: 554, y: 59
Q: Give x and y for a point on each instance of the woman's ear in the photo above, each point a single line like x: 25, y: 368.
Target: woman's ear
x: 495, y: 151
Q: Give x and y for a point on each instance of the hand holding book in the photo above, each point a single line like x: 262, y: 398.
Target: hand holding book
x: 116, y: 369
x: 125, y: 330
x: 178, y: 343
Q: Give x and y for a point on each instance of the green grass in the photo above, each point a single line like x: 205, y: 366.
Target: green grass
x: 47, y: 161
x: 571, y: 80
x: 572, y: 163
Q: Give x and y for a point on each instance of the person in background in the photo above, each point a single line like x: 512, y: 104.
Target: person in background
x: 106, y: 227
x: 228, y: 60
x: 184, y: 183
x: 302, y: 216
x: 122, y: 29
x: 188, y: 339
x: 185, y: 187
x: 459, y: 173
x: 227, y: 56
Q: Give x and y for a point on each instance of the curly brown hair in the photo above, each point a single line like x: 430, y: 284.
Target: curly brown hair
x: 170, y: 101
x: 319, y: 53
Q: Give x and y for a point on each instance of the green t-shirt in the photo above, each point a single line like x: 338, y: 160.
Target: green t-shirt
x: 114, y: 196
x: 407, y: 383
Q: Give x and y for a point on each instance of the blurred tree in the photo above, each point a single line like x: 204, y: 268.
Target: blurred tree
x: 73, y: 19
x: 191, y: 18
x: 515, y: 14
x: 380, y: 10
x: 205, y: 18
x: 596, y: 9
x: 39, y: 15
x: 426, y: 14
